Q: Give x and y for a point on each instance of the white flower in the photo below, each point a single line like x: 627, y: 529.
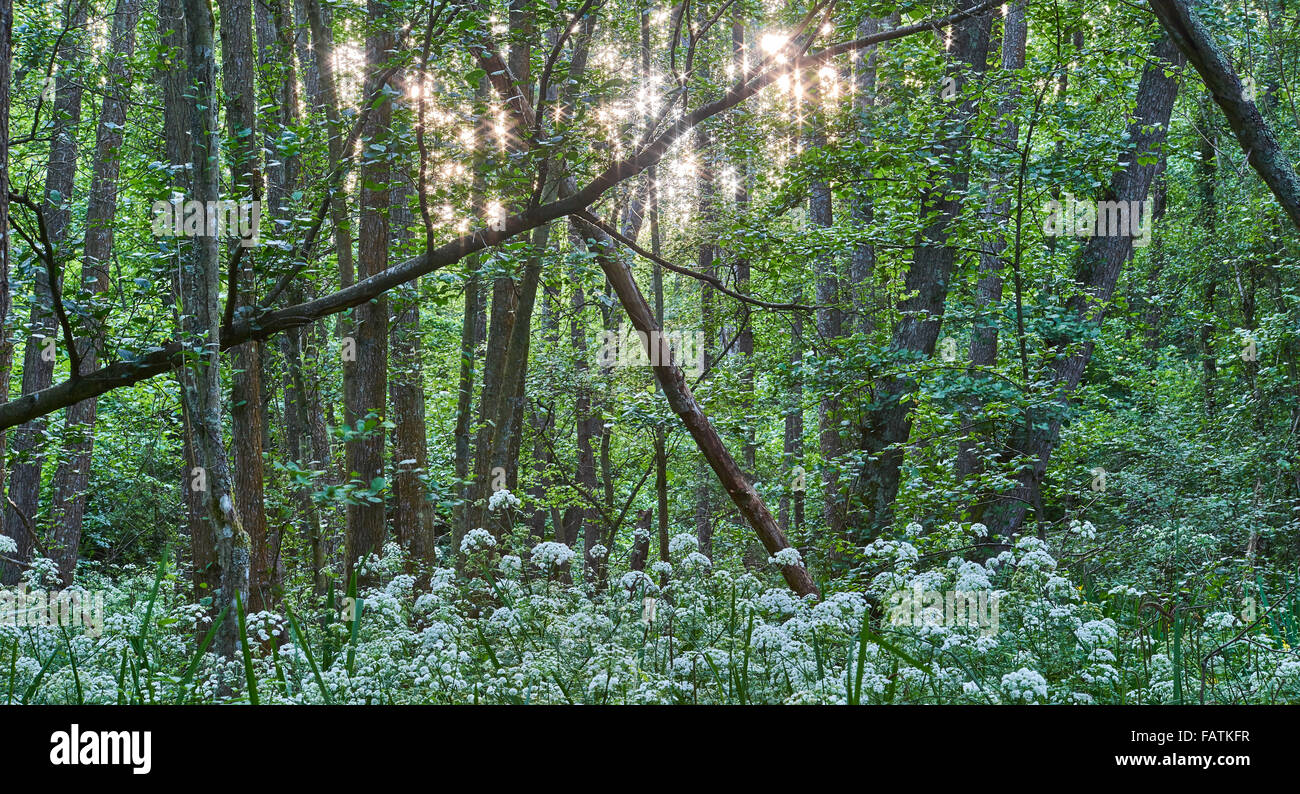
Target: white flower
x: 1220, y: 621
x: 1034, y: 554
x: 787, y: 556
x: 500, y: 497
x: 683, y: 544
x: 1084, y: 529
x: 1025, y: 685
x: 7, y: 545
x: 697, y: 560
x: 1097, y: 632
x: 552, y: 555
x: 477, y: 540
x: 598, y: 552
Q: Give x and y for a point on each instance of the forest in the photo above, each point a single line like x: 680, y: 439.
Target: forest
x: 649, y: 352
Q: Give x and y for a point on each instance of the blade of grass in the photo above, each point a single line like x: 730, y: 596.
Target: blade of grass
x: 306, y: 651
x: 249, y: 676
x: 72, y: 660
x: 198, y: 655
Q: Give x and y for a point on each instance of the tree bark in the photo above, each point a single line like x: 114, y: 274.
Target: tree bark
x: 365, y: 380
x: 887, y: 428
x: 246, y: 415
x: 72, y: 478
x: 201, y: 326
x: 38, y: 367
x: 6, y: 300
x: 1253, y: 132
x: 1097, y: 269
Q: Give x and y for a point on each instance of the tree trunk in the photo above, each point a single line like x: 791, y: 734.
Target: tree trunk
x: 200, y: 288
x: 246, y: 415
x: 38, y: 366
x: 830, y: 329
x: 366, y: 379
x: 6, y: 300
x: 887, y: 428
x: 1097, y: 270
x: 275, y: 52
x: 412, y: 513
x: 683, y: 403
x: 178, y: 154
x: 72, y: 478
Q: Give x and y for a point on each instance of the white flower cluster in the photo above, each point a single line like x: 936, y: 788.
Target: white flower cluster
x: 1025, y: 685
x: 1033, y: 554
x: 264, y: 625
x: 551, y: 555
x: 1097, y: 633
x: 787, y: 556
x: 502, y: 497
x: 477, y: 540
x: 1083, y: 529
x: 683, y: 544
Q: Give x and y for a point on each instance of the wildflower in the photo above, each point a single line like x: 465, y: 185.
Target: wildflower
x: 787, y: 556
x: 1025, y: 685
x: 501, y: 497
x: 477, y: 540
x: 552, y: 555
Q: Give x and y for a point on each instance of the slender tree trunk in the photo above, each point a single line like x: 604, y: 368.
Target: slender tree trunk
x: 469, y: 342
x: 862, y: 262
x: 988, y: 291
x: 322, y: 43
x: 412, y: 512
x: 72, y: 478
x: 38, y: 362
x: 201, y: 320
x: 6, y: 301
x: 274, y: 20
x: 583, y: 517
x: 706, y: 263
x: 830, y: 329
x: 683, y: 403
x: 745, y: 336
x: 306, y: 57
x: 640, y: 542
x: 366, y: 378
x: 178, y: 154
x: 246, y: 415
x: 791, y: 505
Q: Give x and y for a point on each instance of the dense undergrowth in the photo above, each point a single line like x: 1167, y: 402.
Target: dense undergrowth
x: 510, y: 630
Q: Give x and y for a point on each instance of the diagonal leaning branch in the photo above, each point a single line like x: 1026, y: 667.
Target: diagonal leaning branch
x: 1253, y: 132
x: 160, y: 360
